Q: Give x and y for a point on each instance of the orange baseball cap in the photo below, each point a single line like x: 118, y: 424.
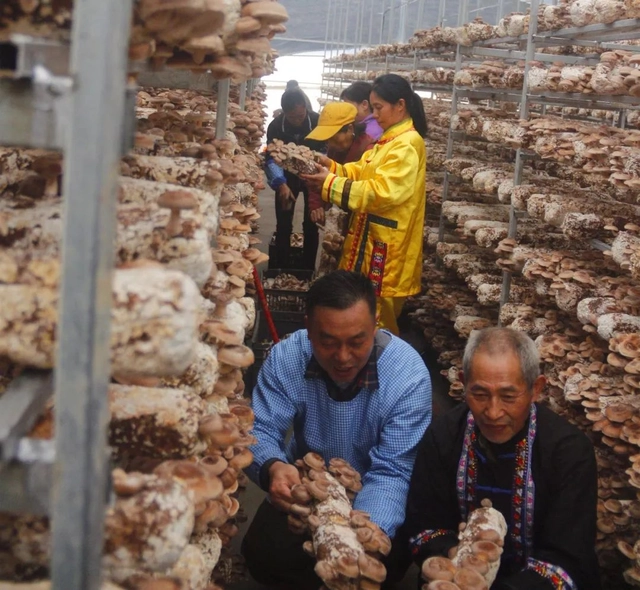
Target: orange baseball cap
x: 334, y: 116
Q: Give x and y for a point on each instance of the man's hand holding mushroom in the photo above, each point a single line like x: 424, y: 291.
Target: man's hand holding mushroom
x: 282, y: 477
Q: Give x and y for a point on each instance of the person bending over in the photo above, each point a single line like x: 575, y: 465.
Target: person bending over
x: 292, y: 125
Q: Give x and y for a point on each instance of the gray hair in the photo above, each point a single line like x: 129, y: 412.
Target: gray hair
x: 501, y: 341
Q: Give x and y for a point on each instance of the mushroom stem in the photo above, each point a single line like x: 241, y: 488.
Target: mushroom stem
x: 174, y: 226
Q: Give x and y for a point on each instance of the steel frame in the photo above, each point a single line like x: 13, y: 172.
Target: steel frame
x: 69, y: 478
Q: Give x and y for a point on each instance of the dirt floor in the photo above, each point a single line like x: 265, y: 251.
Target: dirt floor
x: 252, y: 496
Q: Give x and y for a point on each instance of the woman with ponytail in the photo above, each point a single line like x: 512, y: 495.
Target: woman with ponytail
x: 385, y: 192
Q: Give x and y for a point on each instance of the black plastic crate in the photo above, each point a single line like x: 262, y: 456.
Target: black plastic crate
x: 283, y: 299
x: 295, y: 255
x: 261, y: 341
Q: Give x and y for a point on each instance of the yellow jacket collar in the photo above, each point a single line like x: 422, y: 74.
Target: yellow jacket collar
x: 397, y: 129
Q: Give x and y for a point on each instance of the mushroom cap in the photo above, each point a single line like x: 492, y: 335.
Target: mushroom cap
x: 127, y: 484
x: 314, y: 461
x: 491, y: 551
x: 326, y: 572
x: 300, y: 494
x: 196, y: 478
x: 140, y: 263
x: 347, y: 565
x: 215, y: 464
x: 210, y: 43
x: 236, y: 356
x: 266, y: 11
x: 222, y: 333
x: 244, y: 414
x: 371, y: 568
x: 178, y: 199
x: 438, y: 568
x: 470, y: 580
x: 222, y: 256
x: 442, y: 585
x: 477, y: 563
x: 319, y: 492
x: 247, y: 25
x: 254, y: 45
x: 227, y: 66
x: 242, y: 459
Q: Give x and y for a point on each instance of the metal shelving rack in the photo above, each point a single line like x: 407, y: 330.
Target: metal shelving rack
x: 74, y: 97
x: 71, y: 97
x: 512, y: 49
x: 592, y: 35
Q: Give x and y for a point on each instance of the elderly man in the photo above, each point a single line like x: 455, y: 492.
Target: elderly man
x: 347, y: 390
x: 537, y: 469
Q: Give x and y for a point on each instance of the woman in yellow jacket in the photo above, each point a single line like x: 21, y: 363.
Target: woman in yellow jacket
x: 385, y: 192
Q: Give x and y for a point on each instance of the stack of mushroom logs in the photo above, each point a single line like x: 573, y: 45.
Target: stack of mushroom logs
x: 349, y: 547
x: 230, y: 38
x: 568, y: 14
x: 179, y: 428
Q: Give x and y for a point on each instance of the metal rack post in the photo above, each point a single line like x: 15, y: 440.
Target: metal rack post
x: 242, y: 100
x: 454, y: 110
x: 223, y: 108
x: 420, y: 17
x: 524, y: 114
x: 92, y: 150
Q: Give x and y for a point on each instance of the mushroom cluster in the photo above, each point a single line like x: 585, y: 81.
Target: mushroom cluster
x: 551, y: 17
x: 616, y: 74
x: 229, y: 38
x: 475, y: 561
x: 179, y: 426
x: 287, y: 282
x: 297, y: 159
x: 346, y: 543
x: 332, y: 240
x: 157, y: 524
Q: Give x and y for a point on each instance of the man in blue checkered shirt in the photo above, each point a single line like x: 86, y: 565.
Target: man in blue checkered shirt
x: 346, y: 390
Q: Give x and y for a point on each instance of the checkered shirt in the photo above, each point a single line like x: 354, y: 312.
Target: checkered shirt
x: 377, y: 431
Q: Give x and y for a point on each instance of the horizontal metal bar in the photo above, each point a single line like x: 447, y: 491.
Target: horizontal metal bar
x: 614, y: 46
x: 579, y: 99
x: 598, y: 32
x: 567, y: 59
x: 493, y: 52
x: 22, y: 53
x: 20, y: 406
x: 183, y: 79
x: 34, y: 112
x: 489, y: 94
x: 527, y: 155
x: 598, y: 245
x: 26, y: 482
x: 316, y: 42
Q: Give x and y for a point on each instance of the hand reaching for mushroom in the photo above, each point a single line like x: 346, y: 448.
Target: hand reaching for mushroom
x: 282, y: 477
x: 317, y: 215
x: 324, y: 160
x: 316, y: 180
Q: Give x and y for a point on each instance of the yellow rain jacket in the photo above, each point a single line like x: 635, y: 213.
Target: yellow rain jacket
x: 385, y: 192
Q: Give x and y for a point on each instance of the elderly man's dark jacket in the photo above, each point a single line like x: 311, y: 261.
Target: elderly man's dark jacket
x: 565, y: 476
